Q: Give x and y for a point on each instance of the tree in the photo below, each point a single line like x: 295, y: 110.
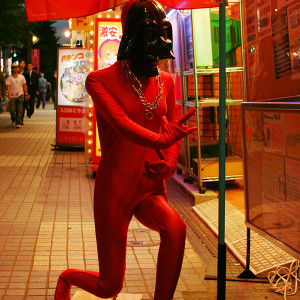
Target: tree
x: 13, y: 25
x: 48, y: 44
x: 15, y: 30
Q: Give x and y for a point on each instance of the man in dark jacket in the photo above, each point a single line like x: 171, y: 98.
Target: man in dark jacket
x: 32, y: 81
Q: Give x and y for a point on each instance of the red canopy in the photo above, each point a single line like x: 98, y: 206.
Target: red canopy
x: 43, y: 10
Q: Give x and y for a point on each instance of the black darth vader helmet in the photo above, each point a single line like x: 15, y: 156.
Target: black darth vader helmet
x: 147, y: 34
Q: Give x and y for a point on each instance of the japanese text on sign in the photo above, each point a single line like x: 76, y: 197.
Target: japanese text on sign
x: 108, y: 32
x: 72, y: 56
x: 74, y: 110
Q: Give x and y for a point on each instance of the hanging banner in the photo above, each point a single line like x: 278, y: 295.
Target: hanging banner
x: 35, y: 58
x: 71, y: 96
x: 57, y: 9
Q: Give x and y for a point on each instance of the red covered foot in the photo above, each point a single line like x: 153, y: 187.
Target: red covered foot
x: 63, y: 289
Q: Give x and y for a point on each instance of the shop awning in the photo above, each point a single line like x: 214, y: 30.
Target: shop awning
x: 44, y: 10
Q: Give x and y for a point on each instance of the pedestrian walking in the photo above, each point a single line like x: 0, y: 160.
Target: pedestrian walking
x: 22, y: 65
x: 32, y: 81
x: 22, y: 71
x: 43, y: 84
x: 2, y: 91
x: 16, y: 87
x: 53, y: 88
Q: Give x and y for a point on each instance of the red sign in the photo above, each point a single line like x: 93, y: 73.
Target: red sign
x: 70, y: 125
x: 35, y: 58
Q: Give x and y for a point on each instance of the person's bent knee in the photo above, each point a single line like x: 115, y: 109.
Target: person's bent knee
x: 175, y: 227
x: 181, y: 228
x: 66, y: 274
x: 110, y: 290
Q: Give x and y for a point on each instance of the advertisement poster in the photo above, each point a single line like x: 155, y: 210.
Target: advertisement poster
x: 273, y: 176
x: 251, y: 36
x: 281, y: 220
x: 292, y: 168
x: 290, y: 228
x: 272, y: 214
x: 292, y: 125
x: 72, y: 72
x: 108, y: 37
x: 294, y: 36
x: 281, y: 47
x: 263, y: 18
x: 253, y: 61
x: 283, y: 3
x: 70, y: 125
x: 274, y: 133
x: 254, y: 130
x: 292, y: 203
x: 71, y: 96
x: 272, y: 49
x: 251, y: 21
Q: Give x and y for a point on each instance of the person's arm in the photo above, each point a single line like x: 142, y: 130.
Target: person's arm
x: 8, y: 90
x: 113, y: 113
x: 25, y: 91
x: 2, y: 84
x: 36, y: 83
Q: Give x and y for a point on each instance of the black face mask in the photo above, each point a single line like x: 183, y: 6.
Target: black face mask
x: 147, y: 37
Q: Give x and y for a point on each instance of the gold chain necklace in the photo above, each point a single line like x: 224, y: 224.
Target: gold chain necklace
x: 138, y: 88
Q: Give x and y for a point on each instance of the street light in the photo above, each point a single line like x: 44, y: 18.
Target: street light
x: 34, y: 38
x: 67, y: 33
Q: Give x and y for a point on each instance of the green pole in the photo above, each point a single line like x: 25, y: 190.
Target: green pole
x: 221, y: 288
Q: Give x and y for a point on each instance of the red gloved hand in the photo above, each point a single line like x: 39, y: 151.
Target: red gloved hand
x: 174, y: 131
x: 158, y: 170
x: 165, y: 167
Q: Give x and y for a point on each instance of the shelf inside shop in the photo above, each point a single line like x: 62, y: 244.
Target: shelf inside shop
x: 208, y: 71
x: 212, y: 102
x: 210, y: 168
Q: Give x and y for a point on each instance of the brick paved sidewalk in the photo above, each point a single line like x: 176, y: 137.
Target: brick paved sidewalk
x: 46, y: 223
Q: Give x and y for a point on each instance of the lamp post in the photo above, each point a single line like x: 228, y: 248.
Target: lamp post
x: 31, y: 40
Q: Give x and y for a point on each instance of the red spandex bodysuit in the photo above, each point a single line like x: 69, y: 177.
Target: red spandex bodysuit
x: 130, y: 181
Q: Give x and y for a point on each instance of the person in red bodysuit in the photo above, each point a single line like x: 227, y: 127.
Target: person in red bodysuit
x: 139, y: 133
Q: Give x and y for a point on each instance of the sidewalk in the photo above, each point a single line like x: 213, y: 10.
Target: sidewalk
x: 46, y: 223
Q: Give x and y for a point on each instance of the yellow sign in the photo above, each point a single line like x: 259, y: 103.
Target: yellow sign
x: 108, y: 37
x: 79, y: 23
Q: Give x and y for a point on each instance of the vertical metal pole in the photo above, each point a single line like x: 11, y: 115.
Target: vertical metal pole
x: 201, y: 188
x: 213, y: 96
x: 244, y: 97
x: 221, y: 288
x: 247, y: 273
x: 187, y: 139
x: 229, y: 120
x: 184, y: 95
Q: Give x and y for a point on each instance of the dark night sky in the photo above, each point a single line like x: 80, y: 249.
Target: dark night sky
x: 61, y: 26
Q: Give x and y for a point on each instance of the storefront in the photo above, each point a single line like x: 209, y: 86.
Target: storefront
x: 262, y: 63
